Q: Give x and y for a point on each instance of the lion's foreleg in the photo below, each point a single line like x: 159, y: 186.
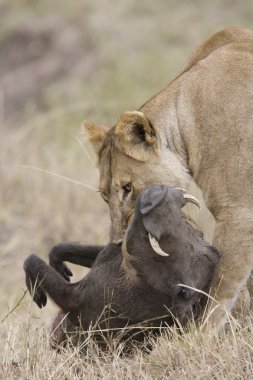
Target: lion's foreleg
x: 234, y: 239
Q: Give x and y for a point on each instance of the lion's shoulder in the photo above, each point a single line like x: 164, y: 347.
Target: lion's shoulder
x: 218, y: 40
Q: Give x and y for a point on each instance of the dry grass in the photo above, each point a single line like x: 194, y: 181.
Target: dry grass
x: 26, y: 355
x: 102, y: 58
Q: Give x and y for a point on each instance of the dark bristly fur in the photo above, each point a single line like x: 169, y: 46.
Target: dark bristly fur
x: 129, y: 284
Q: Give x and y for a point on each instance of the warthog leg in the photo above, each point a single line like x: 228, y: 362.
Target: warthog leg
x: 41, y: 280
x: 75, y: 253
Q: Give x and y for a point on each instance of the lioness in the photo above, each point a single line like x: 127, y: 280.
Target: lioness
x: 201, y: 125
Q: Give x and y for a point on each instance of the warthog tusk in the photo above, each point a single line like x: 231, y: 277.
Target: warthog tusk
x: 155, y: 245
x: 188, y: 197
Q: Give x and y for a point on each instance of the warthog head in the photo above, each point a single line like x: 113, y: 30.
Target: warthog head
x: 162, y: 250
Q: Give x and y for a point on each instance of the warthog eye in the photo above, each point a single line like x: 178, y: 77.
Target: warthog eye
x: 184, y: 293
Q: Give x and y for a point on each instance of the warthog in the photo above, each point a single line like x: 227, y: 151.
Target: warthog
x: 142, y: 280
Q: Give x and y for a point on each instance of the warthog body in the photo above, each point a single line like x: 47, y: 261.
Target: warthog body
x: 136, y: 282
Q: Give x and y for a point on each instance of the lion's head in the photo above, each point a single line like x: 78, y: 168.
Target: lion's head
x: 132, y: 155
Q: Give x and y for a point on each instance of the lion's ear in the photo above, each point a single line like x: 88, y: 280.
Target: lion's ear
x: 95, y: 133
x: 136, y: 136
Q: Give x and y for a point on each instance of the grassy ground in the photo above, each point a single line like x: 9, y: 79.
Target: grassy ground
x: 61, y: 63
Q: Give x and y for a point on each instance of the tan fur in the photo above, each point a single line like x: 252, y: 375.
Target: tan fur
x: 200, y: 125
x: 127, y: 142
x: 96, y: 134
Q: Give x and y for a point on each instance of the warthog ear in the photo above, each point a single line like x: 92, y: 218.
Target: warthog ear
x: 151, y: 197
x: 136, y: 136
x: 95, y: 133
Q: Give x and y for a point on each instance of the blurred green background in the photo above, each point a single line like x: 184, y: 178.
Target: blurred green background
x: 65, y: 61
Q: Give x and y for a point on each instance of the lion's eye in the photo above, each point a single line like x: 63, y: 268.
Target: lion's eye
x: 126, y: 189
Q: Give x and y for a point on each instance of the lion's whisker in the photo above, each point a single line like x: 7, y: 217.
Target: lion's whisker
x: 59, y: 176
x: 85, y: 151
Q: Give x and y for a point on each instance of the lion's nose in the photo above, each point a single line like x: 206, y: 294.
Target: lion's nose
x: 151, y: 197
x: 116, y: 233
